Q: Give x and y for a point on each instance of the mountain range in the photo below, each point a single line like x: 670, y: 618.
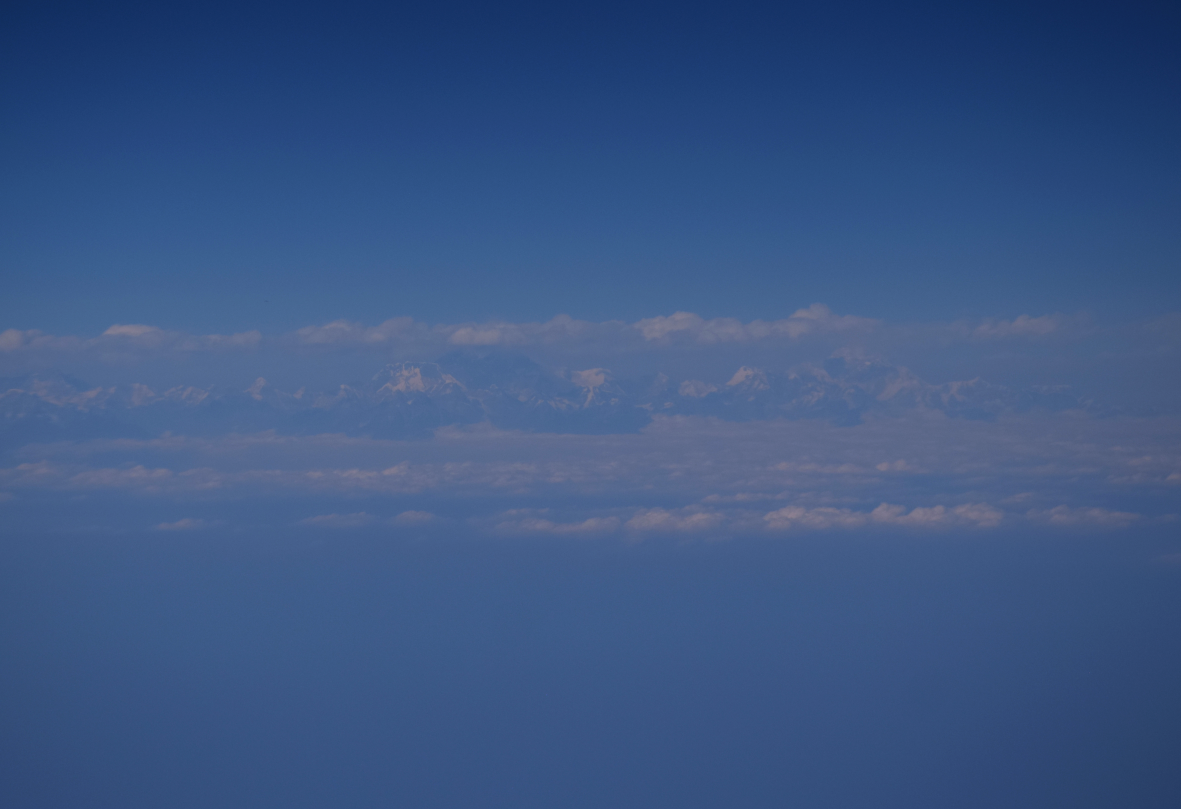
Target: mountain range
x: 406, y: 400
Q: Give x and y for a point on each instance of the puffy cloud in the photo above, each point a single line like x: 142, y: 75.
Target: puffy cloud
x: 408, y: 337
x: 405, y: 331
x: 677, y: 327
x: 11, y: 339
x: 978, y: 515
x: 522, y: 522
x: 134, y: 331
x: 815, y: 319
x: 348, y: 332
x: 660, y: 520
x: 153, y: 337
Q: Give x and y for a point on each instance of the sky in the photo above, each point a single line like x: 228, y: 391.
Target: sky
x: 596, y: 405
x: 227, y: 167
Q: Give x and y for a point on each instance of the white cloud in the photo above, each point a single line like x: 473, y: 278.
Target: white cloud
x: 122, y: 338
x: 1084, y: 517
x: 660, y: 520
x: 679, y: 326
x: 490, y: 336
x: 897, y: 466
x: 414, y: 518
x: 407, y: 337
x: 1021, y: 326
x: 137, y: 477
x: 978, y: 515
x: 11, y: 339
x: 539, y: 525
x: 356, y: 520
x: 184, y: 524
x: 742, y: 476
x: 815, y: 319
x: 245, y: 339
x: 345, y: 332
x: 134, y: 331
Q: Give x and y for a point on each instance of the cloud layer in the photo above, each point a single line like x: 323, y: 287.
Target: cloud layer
x: 672, y: 426
x: 677, y: 329
x: 685, y: 475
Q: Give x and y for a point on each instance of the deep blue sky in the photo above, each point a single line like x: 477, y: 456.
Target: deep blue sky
x: 226, y: 166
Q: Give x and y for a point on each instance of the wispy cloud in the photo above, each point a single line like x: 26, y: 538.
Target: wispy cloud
x: 680, y: 475
x: 183, y: 524
x: 357, y: 519
x: 1093, y: 517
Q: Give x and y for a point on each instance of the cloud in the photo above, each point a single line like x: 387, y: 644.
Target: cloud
x: 343, y: 332
x: 14, y: 340
x: 674, y: 424
x: 1084, y: 517
x: 11, y: 339
x: 683, y: 326
x: 414, y: 518
x: 1021, y: 326
x: 659, y: 520
x: 152, y: 337
x: 183, y: 524
x: 680, y: 474
x: 977, y: 515
x: 1038, y: 459
x: 524, y: 525
x: 356, y: 520
x: 405, y: 332
x: 135, y: 332
x: 124, y: 338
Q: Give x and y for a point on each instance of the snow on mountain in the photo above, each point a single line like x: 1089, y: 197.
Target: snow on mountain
x: 509, y: 391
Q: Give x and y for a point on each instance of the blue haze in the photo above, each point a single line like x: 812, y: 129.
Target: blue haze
x: 377, y: 671
x: 629, y: 405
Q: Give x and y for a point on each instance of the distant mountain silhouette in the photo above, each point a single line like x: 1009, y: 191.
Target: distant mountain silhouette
x: 407, y: 400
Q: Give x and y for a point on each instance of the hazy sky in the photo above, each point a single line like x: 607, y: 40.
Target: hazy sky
x: 596, y: 405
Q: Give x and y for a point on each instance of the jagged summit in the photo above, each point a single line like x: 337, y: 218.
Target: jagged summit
x: 407, y: 379
x: 510, y: 391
